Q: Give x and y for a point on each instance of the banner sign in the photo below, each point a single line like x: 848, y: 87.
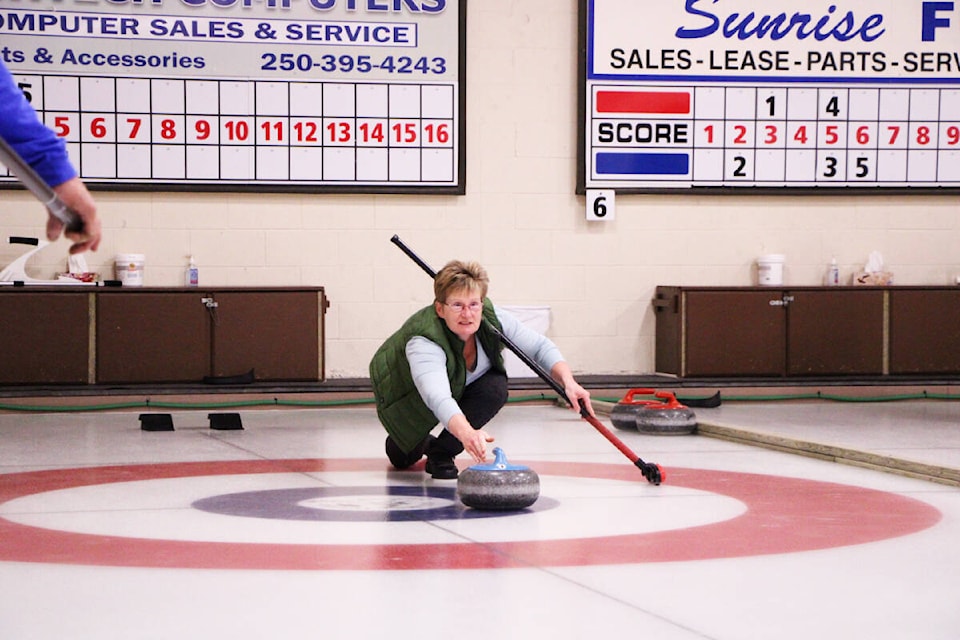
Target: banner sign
x: 758, y: 93
x: 305, y: 95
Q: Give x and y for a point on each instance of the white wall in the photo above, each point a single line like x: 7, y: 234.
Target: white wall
x: 520, y: 218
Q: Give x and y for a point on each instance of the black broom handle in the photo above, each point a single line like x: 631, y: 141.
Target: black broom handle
x: 546, y: 377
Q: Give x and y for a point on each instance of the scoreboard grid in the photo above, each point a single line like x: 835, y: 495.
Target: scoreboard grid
x: 271, y: 132
x: 281, y: 96
x: 775, y: 135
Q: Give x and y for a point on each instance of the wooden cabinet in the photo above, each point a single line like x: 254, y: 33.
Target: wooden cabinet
x: 45, y: 338
x: 189, y: 335
x: 835, y: 332
x: 69, y: 335
x: 765, y: 332
x: 277, y: 334
x: 732, y: 333
x: 147, y: 336
x: 925, y: 331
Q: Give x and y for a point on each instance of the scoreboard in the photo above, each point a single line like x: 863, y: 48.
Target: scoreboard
x: 266, y: 95
x: 758, y: 94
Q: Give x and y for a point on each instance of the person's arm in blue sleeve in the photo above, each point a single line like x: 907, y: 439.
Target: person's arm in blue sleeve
x: 47, y: 154
x: 34, y: 141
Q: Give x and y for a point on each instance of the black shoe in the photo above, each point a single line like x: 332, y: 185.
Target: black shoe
x: 441, y: 467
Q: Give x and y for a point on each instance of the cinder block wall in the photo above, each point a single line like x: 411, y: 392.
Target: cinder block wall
x: 520, y: 217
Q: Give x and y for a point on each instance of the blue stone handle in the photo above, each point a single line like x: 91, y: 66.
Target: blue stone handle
x: 499, y: 463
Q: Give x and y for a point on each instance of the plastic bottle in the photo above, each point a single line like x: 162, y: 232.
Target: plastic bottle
x: 833, y: 274
x: 191, y: 277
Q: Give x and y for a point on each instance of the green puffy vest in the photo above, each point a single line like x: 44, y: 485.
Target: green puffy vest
x: 400, y: 408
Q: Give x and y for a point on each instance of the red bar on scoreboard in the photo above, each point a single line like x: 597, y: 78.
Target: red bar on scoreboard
x: 643, y: 102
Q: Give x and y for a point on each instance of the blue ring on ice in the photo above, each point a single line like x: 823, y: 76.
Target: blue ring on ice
x: 354, y: 504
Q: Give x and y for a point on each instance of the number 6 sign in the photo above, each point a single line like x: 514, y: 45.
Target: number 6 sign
x: 601, y: 204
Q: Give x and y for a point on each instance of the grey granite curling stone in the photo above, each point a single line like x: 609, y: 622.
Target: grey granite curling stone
x: 498, y: 485
x: 667, y: 417
x: 624, y: 415
x: 664, y: 415
x: 666, y: 420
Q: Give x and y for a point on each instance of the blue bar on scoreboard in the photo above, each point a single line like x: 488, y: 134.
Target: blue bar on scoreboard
x: 659, y: 164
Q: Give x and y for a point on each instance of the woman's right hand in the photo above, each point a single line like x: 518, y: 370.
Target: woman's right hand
x: 474, y: 440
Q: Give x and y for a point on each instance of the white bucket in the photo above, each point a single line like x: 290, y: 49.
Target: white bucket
x: 770, y: 270
x: 128, y: 269
x: 538, y: 319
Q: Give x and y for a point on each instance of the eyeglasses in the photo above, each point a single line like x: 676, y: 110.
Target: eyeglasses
x: 460, y: 306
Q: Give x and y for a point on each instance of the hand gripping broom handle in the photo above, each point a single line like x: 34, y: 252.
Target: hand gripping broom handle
x: 36, y: 185
x: 651, y: 471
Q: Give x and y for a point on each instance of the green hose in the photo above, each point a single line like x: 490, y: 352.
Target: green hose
x: 197, y: 406
x: 277, y: 402
x: 819, y: 395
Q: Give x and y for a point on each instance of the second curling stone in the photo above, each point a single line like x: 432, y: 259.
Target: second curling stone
x: 662, y: 415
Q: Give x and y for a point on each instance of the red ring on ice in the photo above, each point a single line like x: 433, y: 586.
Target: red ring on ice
x: 784, y: 515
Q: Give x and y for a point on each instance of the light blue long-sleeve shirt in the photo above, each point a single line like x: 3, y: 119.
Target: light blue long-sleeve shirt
x: 428, y: 363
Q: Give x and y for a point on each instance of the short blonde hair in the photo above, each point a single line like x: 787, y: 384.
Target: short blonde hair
x: 456, y: 276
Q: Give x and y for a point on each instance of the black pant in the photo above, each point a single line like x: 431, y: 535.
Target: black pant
x: 482, y: 399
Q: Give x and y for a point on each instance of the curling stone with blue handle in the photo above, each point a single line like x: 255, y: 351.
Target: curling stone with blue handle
x: 498, y: 485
